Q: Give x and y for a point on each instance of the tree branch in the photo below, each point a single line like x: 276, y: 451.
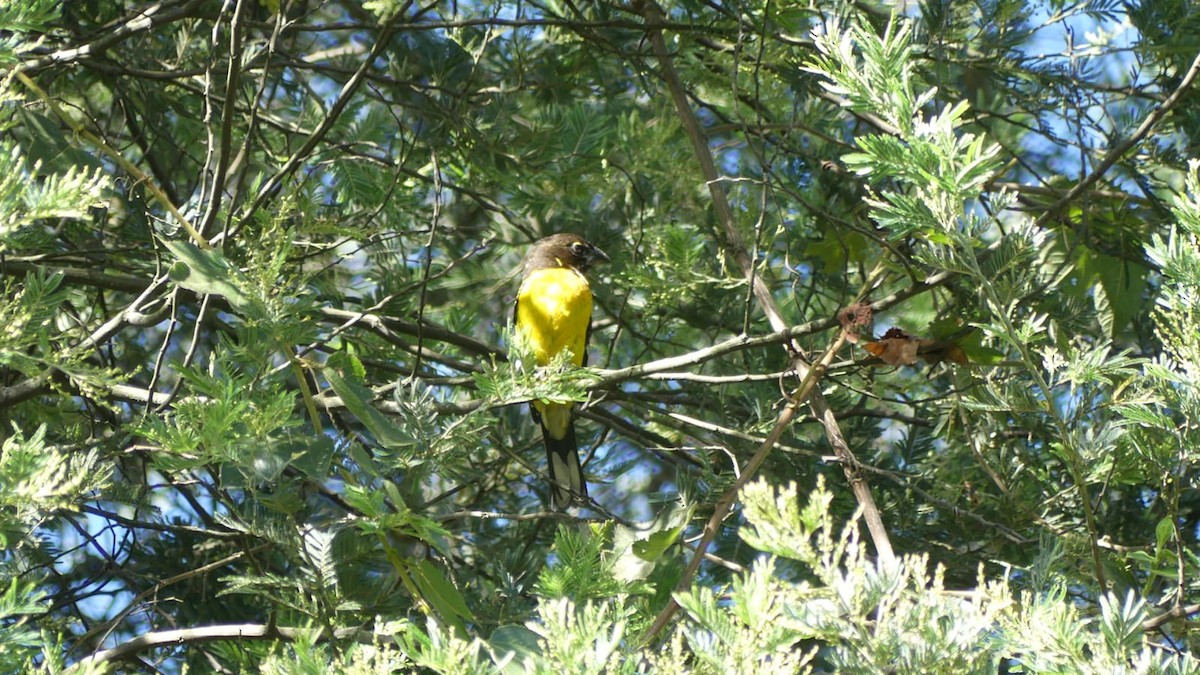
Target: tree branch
x: 200, y: 635
x: 147, y: 18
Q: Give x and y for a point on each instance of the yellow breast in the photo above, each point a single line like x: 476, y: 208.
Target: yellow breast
x: 554, y: 308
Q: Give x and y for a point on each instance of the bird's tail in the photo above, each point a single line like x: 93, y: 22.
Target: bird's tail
x: 566, y: 474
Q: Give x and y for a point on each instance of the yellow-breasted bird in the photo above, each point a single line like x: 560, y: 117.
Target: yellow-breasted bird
x: 554, y: 313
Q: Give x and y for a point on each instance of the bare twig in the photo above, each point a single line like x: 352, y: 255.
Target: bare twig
x: 347, y: 92
x: 1119, y: 150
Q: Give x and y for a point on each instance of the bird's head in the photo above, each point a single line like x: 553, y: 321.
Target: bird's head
x: 567, y: 250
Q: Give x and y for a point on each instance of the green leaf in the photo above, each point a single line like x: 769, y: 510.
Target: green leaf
x: 663, y: 532
x: 315, y: 457
x: 1124, y: 284
x: 837, y: 249
x: 439, y: 592
x: 972, y: 345
x: 45, y: 143
x: 357, y: 399
x: 652, y: 548
x: 1163, y: 531
x: 209, y: 273
x: 516, y: 643
x: 639, y: 549
x: 1144, y: 415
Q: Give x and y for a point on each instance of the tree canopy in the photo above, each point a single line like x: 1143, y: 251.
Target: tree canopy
x: 895, y: 368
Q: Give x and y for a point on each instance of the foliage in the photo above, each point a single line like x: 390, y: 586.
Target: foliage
x: 261, y: 406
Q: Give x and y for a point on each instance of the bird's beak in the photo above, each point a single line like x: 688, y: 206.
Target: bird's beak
x: 598, y: 256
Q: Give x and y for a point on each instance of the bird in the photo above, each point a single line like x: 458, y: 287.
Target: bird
x: 554, y: 313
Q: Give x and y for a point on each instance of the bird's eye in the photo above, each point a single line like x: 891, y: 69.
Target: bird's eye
x: 577, y: 247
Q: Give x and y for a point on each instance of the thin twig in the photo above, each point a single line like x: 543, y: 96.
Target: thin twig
x: 347, y: 92
x: 1119, y: 150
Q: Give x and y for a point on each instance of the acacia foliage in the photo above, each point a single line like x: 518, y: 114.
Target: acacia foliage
x: 259, y: 261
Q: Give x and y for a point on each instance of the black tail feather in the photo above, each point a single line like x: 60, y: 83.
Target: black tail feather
x: 567, y: 481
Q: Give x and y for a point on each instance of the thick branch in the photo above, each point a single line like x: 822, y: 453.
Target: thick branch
x: 200, y: 635
x: 1167, y: 617
x: 146, y: 18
